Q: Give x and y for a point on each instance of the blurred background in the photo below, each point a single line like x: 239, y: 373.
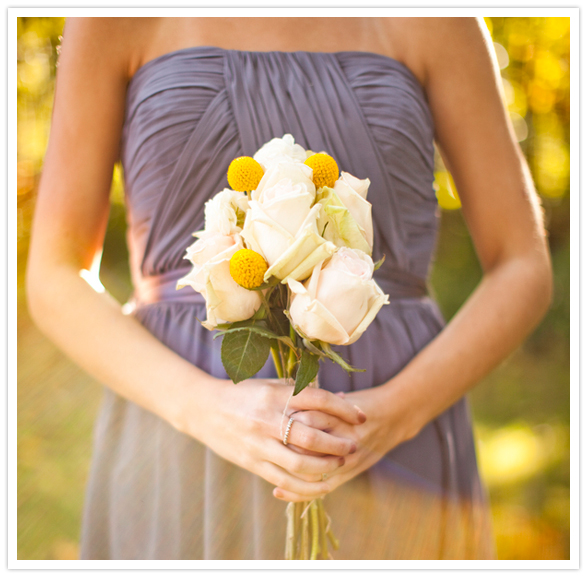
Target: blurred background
x: 521, y: 411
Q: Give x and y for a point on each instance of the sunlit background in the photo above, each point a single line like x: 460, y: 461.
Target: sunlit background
x: 521, y: 411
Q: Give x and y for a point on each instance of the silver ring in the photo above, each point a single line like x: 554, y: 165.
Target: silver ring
x: 287, y: 430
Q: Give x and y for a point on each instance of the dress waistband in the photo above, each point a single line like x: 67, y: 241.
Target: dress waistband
x: 162, y: 288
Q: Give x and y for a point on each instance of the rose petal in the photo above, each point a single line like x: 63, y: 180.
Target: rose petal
x: 376, y: 305
x: 316, y: 321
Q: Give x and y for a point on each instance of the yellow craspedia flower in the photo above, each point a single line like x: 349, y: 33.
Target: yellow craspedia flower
x: 325, y: 169
x: 244, y: 174
x: 247, y: 268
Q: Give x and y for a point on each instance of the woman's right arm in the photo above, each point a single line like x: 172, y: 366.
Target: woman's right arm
x: 241, y: 423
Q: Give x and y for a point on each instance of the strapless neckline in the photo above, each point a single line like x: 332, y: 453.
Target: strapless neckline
x: 158, y: 60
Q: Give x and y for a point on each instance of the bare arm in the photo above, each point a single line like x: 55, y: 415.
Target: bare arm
x: 502, y: 212
x: 241, y: 423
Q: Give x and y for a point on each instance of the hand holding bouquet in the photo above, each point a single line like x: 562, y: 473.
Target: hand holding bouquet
x: 284, y: 263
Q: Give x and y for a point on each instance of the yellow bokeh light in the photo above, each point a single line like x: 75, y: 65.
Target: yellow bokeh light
x: 510, y: 454
x: 548, y: 69
x: 519, y: 104
x: 551, y: 166
x: 518, y: 37
x: 508, y: 92
x: 549, y: 125
x: 34, y: 73
x: 520, y: 126
x: 541, y: 97
x: 446, y: 192
x: 32, y: 138
x: 518, y: 452
x: 501, y: 54
x: 555, y: 28
x: 117, y: 189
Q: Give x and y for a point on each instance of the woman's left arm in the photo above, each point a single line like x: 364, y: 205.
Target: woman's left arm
x: 504, y: 217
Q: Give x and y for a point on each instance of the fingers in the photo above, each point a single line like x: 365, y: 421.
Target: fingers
x: 303, y: 450
x: 317, y: 399
x: 303, y: 465
x: 319, y: 420
x: 311, y: 477
x: 288, y: 483
x: 288, y: 496
x: 318, y: 441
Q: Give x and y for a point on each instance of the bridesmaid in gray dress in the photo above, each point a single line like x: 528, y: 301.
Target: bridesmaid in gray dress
x: 161, y: 489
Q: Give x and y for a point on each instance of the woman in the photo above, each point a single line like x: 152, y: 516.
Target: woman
x: 176, y: 442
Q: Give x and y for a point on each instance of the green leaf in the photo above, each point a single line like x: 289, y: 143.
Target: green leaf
x: 377, y: 264
x: 259, y: 314
x: 282, y: 321
x: 323, y: 349
x: 312, y: 348
x: 307, y: 371
x: 330, y: 353
x: 273, y: 281
x: 264, y: 332
x: 233, y: 325
x: 243, y: 354
x: 344, y: 228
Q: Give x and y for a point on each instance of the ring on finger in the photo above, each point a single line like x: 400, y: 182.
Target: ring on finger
x: 287, y: 431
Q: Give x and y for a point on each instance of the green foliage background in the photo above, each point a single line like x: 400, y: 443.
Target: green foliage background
x: 521, y: 411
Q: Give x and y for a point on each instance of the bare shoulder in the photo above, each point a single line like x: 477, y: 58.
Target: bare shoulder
x: 431, y: 45
x: 118, y: 43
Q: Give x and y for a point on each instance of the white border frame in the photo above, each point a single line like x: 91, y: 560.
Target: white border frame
x: 462, y: 10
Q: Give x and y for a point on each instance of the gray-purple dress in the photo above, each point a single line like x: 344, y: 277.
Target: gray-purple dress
x: 154, y: 493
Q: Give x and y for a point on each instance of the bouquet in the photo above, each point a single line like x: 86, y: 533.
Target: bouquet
x: 284, y: 264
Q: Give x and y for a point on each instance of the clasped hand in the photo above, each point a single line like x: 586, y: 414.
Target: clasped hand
x: 245, y: 424
x: 331, y: 440
x: 382, y: 429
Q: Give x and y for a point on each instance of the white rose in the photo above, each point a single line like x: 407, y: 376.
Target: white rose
x: 353, y: 193
x: 339, y: 301
x: 281, y: 223
x: 298, y: 175
x: 226, y: 301
x: 289, y: 253
x: 345, y: 218
x: 280, y: 150
x: 225, y: 212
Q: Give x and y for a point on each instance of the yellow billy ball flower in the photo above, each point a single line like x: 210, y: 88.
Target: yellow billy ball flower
x: 244, y: 174
x: 325, y: 169
x: 247, y: 268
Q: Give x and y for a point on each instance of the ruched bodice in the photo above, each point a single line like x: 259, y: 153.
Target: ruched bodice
x: 189, y: 113
x: 155, y: 493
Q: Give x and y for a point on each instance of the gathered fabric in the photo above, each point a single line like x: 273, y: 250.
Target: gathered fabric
x: 155, y: 493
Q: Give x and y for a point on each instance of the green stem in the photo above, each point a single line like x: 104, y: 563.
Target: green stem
x: 292, y: 357
x: 290, y: 533
x: 323, y: 537
x: 304, y: 548
x: 276, y: 359
x: 333, y: 540
x: 315, y: 531
x: 291, y: 363
x: 265, y: 302
x: 282, y: 354
x: 297, y: 525
x: 276, y: 347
